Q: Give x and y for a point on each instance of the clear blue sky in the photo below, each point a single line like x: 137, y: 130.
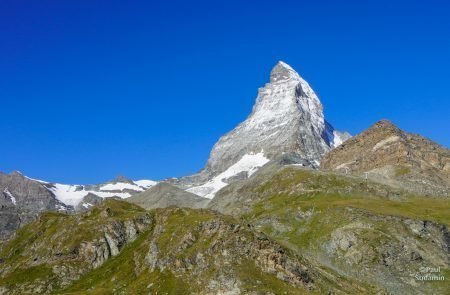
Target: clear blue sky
x: 93, y: 89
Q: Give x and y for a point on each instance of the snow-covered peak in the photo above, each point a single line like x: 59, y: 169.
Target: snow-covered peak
x: 282, y: 72
x: 287, y: 118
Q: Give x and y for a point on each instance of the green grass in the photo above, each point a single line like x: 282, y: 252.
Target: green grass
x: 117, y: 273
x: 26, y: 275
x: 429, y: 209
x: 55, y: 235
x: 189, y: 220
x: 254, y: 279
x: 331, y: 212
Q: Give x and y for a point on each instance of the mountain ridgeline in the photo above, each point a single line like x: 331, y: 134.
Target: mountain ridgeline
x: 285, y: 204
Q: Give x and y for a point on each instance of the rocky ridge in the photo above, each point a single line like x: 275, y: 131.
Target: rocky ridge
x: 388, y: 154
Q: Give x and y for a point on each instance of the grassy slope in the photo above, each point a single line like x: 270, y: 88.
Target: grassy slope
x: 35, y: 249
x: 306, y: 188
x: 307, y: 206
x: 301, y: 209
x: 126, y: 273
x: 119, y: 274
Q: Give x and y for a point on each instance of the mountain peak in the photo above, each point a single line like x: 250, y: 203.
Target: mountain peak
x: 121, y: 178
x: 383, y: 126
x: 384, y: 123
x: 287, y: 120
x: 282, y: 72
x: 384, y: 151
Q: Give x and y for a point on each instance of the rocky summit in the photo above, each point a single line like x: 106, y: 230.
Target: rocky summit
x: 286, y: 118
x: 388, y: 154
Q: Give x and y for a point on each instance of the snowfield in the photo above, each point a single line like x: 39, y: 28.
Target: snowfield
x: 249, y: 163
x: 73, y: 194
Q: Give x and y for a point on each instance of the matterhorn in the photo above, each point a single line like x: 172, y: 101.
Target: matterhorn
x: 287, y: 121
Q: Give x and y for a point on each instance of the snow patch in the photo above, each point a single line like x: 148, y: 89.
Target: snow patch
x: 87, y: 205
x: 61, y: 208
x: 120, y: 186
x: 145, y: 183
x: 296, y: 165
x: 73, y: 194
x: 337, y: 139
x: 249, y: 163
x: 7, y: 192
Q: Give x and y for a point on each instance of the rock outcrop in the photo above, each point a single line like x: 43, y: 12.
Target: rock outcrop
x: 88, y: 202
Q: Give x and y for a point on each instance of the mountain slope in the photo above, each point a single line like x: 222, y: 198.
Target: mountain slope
x: 164, y: 195
x: 387, y: 154
x: 382, y: 235
x: 287, y: 119
x: 119, y: 248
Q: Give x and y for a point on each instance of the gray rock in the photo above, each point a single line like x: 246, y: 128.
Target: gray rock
x: 21, y: 200
x: 112, y: 244
x: 88, y: 201
x: 165, y: 195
